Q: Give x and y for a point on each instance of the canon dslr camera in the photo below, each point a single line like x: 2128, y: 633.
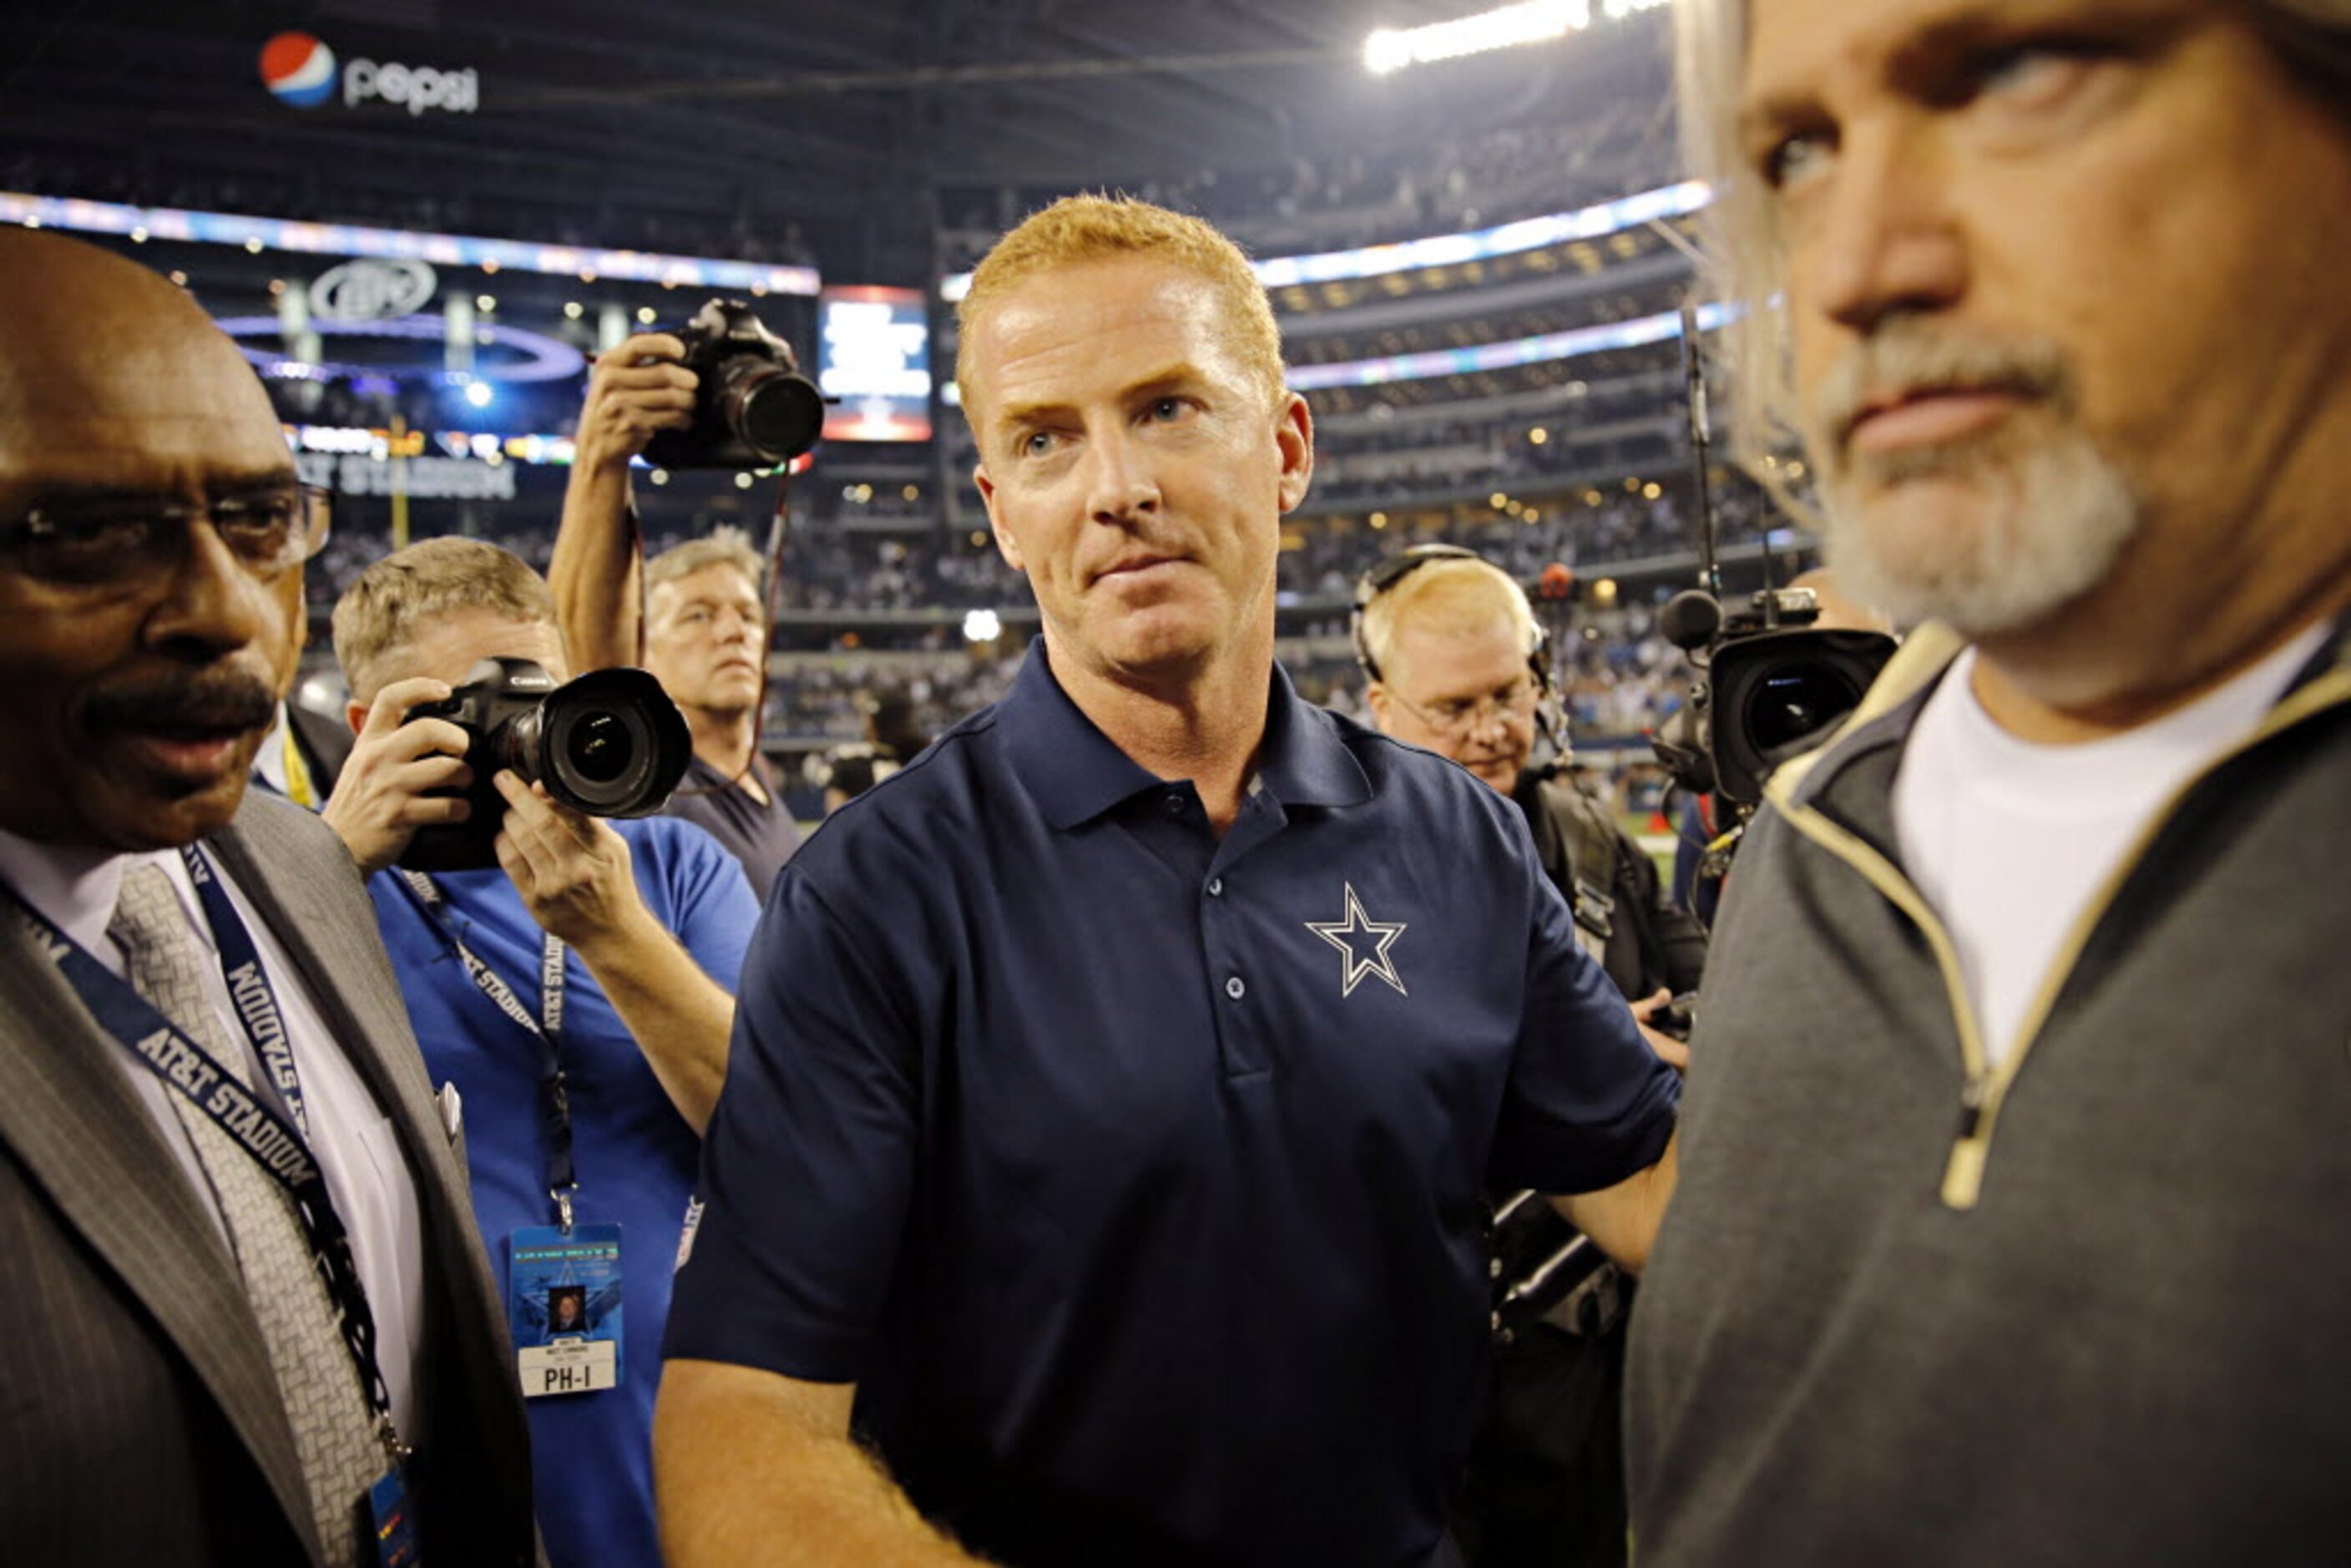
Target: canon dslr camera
x: 752, y: 407
x: 610, y: 744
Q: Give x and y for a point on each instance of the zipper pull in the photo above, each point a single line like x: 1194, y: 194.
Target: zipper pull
x: 1963, y: 1177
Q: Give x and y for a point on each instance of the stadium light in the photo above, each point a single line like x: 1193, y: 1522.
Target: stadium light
x: 1390, y: 49
x: 1533, y: 22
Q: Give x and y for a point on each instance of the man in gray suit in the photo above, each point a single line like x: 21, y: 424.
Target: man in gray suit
x: 239, y: 1281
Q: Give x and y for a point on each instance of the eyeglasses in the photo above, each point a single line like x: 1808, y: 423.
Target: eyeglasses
x: 1464, y: 715
x: 115, y: 543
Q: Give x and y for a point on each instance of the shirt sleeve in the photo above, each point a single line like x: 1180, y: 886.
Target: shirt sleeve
x: 808, y: 1164
x: 1588, y: 1104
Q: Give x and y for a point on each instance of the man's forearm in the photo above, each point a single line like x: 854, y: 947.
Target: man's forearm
x: 1624, y: 1220
x: 680, y: 1017
x: 598, y: 570
x: 740, y: 1476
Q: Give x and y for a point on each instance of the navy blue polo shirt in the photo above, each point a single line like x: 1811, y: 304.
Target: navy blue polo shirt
x: 1135, y: 1176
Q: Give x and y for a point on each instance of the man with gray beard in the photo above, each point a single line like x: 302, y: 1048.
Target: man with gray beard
x: 2011, y: 1221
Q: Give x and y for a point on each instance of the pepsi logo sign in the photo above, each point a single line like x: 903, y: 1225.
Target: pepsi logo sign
x: 301, y: 70
x: 298, y: 69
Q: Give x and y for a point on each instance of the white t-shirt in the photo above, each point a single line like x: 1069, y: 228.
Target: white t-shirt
x: 2009, y: 840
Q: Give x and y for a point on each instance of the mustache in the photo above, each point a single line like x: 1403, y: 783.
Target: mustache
x: 1905, y: 356
x: 213, y: 700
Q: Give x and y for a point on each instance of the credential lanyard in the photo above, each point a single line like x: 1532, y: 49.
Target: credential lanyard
x: 248, y: 987
x: 555, y: 1093
x: 255, y: 1122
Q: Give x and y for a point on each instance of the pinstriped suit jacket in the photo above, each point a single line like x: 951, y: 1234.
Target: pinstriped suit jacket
x: 139, y: 1417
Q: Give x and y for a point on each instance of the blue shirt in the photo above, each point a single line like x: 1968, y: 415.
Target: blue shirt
x: 762, y: 837
x: 590, y: 1454
x: 1135, y: 1177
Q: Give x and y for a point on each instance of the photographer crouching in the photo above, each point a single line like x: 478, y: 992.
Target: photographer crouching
x: 1457, y: 664
x: 557, y: 969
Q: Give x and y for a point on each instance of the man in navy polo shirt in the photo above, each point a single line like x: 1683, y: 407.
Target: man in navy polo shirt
x: 1113, y: 1091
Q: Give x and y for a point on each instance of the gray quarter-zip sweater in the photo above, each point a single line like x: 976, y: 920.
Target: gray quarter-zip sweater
x: 2091, y: 1308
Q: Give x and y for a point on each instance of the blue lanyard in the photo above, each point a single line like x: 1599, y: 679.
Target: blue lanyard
x: 258, y: 1122
x: 546, y: 1030
x: 248, y: 987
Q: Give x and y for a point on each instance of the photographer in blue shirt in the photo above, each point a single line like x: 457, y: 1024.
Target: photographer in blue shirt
x: 603, y: 952
x: 1115, y: 1087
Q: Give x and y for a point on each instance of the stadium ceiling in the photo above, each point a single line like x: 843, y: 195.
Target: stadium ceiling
x: 865, y: 123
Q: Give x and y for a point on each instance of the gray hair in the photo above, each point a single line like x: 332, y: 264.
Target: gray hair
x: 1742, y: 257
x: 724, y: 546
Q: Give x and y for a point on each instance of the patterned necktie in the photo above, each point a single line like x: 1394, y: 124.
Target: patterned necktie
x: 334, y: 1428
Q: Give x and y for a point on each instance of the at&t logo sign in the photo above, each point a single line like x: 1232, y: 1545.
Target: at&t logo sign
x: 369, y: 290
x: 301, y: 70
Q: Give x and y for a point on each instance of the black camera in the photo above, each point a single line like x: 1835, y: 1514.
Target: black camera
x: 752, y: 408
x: 1677, y: 1016
x: 1770, y: 685
x: 610, y: 744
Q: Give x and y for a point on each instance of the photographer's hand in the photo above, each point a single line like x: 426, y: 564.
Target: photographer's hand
x: 578, y: 880
x: 380, y: 798
x: 596, y: 574
x: 572, y: 870
x: 1673, y: 1052
x: 634, y: 393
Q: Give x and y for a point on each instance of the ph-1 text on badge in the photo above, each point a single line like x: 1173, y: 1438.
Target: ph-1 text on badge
x: 569, y: 1366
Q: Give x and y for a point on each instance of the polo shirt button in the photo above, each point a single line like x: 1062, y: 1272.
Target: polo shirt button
x: 1216, y: 887
x: 1173, y: 805
x: 1235, y: 988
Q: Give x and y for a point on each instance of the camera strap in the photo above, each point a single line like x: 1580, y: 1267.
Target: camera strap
x: 546, y: 1030
x: 266, y: 1124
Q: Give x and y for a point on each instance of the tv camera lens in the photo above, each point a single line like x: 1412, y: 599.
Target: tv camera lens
x: 1791, y: 704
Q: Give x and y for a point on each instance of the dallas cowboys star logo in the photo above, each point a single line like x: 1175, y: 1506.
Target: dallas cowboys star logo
x: 1355, y: 933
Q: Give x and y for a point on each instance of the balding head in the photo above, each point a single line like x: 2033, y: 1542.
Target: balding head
x: 142, y: 674
x: 82, y: 329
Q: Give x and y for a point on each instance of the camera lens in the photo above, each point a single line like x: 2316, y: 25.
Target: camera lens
x: 610, y: 744
x: 1789, y: 704
x: 777, y: 414
x: 598, y: 747
x: 601, y: 757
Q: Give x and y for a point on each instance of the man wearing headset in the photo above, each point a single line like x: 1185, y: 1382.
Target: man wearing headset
x: 1457, y: 664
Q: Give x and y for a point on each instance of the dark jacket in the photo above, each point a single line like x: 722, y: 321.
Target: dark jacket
x: 1649, y: 942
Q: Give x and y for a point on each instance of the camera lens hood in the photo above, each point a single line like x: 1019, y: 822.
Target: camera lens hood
x: 610, y: 744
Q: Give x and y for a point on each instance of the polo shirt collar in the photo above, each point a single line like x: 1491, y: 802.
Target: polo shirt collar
x: 1304, y: 762
x: 1076, y: 772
